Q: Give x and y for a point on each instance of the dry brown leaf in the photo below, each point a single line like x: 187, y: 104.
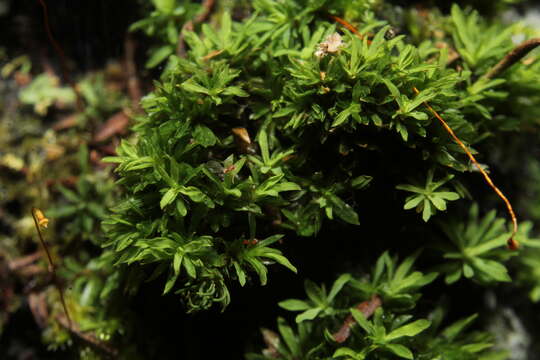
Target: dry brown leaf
x: 116, y: 124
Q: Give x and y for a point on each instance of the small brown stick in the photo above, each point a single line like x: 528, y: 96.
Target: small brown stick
x: 509, y: 60
x: 86, y: 337
x: 24, y: 261
x: 38, y: 307
x: 348, y: 26
x: 41, y: 221
x: 61, y: 56
x: 367, y: 308
x: 512, y: 57
x: 25, y: 267
x: 212, y: 54
x: 31, y: 270
x: 133, y: 83
x: 207, y: 6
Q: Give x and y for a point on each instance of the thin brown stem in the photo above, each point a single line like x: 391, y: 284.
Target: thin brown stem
x: 61, y: 56
x: 87, y: 337
x: 38, y: 221
x: 133, y: 83
x: 512, y: 242
x: 38, y: 307
x: 348, y: 26
x: 512, y: 57
x: 508, y: 61
x: 207, y: 5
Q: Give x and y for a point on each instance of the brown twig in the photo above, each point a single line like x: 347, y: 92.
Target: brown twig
x: 509, y: 60
x: 41, y: 220
x: 367, y: 308
x: 31, y: 270
x: 133, y: 83
x: 61, y: 56
x: 207, y: 6
x: 24, y: 261
x: 86, y: 337
x: 24, y: 266
x: 512, y: 57
x: 348, y: 26
x: 38, y: 307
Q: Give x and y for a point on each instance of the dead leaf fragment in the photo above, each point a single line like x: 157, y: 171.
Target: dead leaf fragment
x: 243, y: 141
x: 116, y: 124
x: 242, y: 134
x: 65, y: 123
x: 271, y: 339
x: 38, y: 307
x: 212, y: 54
x: 12, y: 161
x: 54, y: 151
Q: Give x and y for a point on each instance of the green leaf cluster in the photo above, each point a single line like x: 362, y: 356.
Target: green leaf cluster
x: 479, y: 248
x: 86, y: 205
x: 430, y: 198
x: 222, y: 157
x: 388, y: 333
x: 277, y: 138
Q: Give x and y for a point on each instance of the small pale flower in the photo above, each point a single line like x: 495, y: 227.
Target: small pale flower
x: 332, y: 44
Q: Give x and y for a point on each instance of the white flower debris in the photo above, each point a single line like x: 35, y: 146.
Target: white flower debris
x: 330, y: 45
